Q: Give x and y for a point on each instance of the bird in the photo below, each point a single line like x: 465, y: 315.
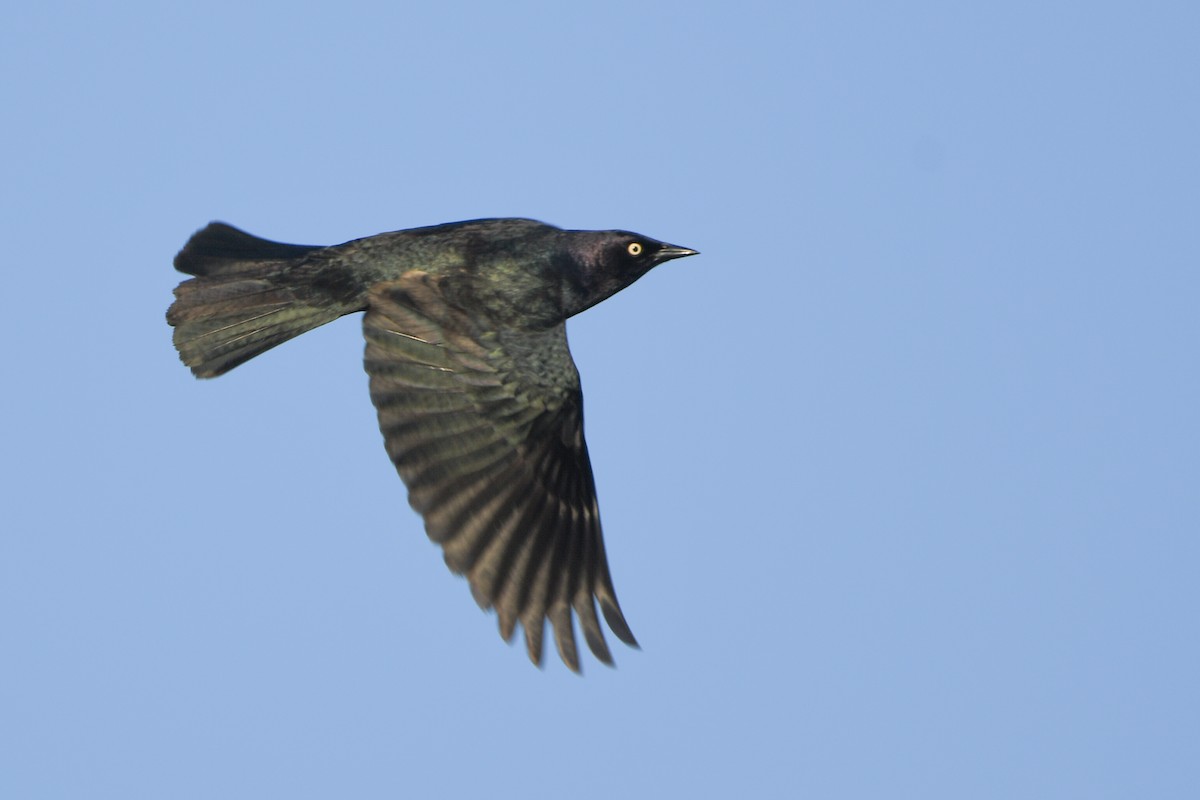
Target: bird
x: 478, y: 398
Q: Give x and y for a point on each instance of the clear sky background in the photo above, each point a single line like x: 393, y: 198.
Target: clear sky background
x: 899, y: 477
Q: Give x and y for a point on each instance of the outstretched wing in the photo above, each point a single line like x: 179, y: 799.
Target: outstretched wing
x: 485, y: 426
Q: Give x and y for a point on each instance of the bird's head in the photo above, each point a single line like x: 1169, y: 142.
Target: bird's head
x: 602, y: 263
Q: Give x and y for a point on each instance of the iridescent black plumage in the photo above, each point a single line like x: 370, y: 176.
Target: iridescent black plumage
x: 478, y: 398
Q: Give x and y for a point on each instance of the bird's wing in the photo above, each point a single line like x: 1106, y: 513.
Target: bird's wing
x: 485, y: 426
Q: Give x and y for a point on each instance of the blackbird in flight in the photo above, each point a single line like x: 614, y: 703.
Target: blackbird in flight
x: 477, y: 395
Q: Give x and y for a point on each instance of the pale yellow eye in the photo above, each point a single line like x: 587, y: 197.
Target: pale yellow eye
x: 635, y: 248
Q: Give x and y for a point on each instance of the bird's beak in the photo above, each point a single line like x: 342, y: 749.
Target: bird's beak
x: 669, y: 251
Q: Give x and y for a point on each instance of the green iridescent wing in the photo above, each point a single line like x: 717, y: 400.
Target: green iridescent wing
x: 485, y: 426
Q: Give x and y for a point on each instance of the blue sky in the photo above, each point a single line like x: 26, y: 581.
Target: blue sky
x: 898, y: 478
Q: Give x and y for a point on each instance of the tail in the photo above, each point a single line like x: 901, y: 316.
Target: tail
x: 249, y: 294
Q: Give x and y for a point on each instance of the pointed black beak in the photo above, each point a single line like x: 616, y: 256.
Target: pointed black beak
x: 669, y: 251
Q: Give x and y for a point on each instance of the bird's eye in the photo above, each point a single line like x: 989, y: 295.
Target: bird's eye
x: 634, y: 248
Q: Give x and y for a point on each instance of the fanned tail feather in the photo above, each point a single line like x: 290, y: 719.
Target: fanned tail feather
x: 249, y: 295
